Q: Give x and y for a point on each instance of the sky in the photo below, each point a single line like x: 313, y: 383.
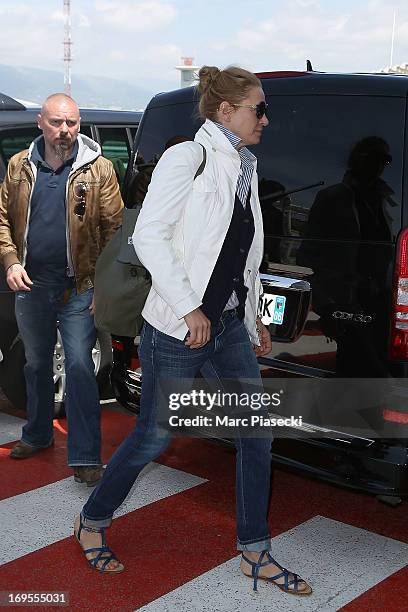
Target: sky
x: 141, y: 41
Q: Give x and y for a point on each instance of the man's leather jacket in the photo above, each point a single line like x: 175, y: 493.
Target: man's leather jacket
x: 86, y: 235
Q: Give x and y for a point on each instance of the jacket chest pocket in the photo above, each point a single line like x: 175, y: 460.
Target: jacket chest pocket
x: 202, y: 202
x: 92, y: 184
x: 87, y: 187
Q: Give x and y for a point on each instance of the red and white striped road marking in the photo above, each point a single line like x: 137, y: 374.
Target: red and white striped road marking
x: 177, y: 541
x: 341, y: 562
x: 46, y: 515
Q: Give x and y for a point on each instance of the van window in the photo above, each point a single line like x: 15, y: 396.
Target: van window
x: 306, y: 149
x: 86, y: 130
x: 16, y: 140
x: 162, y: 127
x: 116, y: 147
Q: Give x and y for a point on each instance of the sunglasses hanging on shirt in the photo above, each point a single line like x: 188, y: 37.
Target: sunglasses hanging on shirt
x: 80, y: 198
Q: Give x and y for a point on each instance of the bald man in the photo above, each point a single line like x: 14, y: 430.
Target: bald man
x: 59, y: 206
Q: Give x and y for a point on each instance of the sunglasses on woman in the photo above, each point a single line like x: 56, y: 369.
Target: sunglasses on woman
x: 260, y: 109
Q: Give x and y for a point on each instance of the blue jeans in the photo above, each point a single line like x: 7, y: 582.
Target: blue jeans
x: 37, y: 313
x: 229, y: 354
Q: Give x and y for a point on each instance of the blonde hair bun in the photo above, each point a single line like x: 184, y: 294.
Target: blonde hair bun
x: 206, y: 77
x: 231, y: 84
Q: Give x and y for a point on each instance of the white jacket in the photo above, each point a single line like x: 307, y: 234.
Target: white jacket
x: 182, y: 225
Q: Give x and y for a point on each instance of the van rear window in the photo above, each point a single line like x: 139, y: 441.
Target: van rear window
x: 339, y: 157
x: 304, y: 162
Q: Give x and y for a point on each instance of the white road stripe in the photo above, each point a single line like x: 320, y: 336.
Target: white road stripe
x: 45, y: 515
x: 340, y: 561
x: 10, y: 428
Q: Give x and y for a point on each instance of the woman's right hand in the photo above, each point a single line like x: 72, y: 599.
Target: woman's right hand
x: 199, y: 327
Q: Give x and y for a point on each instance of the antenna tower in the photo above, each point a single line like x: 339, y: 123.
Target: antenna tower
x: 67, y: 47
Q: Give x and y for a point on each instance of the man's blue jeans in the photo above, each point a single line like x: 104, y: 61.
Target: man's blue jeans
x: 228, y: 355
x: 37, y: 313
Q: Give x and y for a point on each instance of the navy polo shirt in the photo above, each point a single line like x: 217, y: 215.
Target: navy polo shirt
x: 46, y: 261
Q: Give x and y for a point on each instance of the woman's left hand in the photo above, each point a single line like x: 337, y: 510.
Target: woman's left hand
x: 265, y: 346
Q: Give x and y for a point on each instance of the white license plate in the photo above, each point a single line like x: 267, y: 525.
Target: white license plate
x: 272, y: 308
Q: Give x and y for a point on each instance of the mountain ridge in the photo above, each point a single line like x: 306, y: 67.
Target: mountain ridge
x: 35, y: 84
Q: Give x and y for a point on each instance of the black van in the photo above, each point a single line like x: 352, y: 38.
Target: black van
x: 333, y: 187
x: 115, y: 132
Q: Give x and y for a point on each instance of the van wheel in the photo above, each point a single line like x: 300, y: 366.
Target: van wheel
x: 12, y: 375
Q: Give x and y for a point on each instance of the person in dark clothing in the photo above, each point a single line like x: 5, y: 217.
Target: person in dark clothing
x: 59, y: 206
x: 352, y: 216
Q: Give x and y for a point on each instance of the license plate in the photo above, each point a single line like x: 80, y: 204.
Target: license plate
x: 272, y: 308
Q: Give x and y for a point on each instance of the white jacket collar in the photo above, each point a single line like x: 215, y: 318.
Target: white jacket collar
x: 209, y: 134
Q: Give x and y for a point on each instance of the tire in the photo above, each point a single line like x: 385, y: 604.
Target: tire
x: 12, y: 375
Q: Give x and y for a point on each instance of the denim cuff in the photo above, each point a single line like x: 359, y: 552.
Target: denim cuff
x: 258, y: 546
x: 96, y: 523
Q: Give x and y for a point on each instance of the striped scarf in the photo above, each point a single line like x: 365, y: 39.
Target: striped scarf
x: 247, y: 164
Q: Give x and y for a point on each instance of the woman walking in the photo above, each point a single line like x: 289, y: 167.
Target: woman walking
x: 200, y: 236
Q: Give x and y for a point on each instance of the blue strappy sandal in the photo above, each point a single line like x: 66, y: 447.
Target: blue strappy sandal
x: 295, y: 581
x: 104, y: 556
